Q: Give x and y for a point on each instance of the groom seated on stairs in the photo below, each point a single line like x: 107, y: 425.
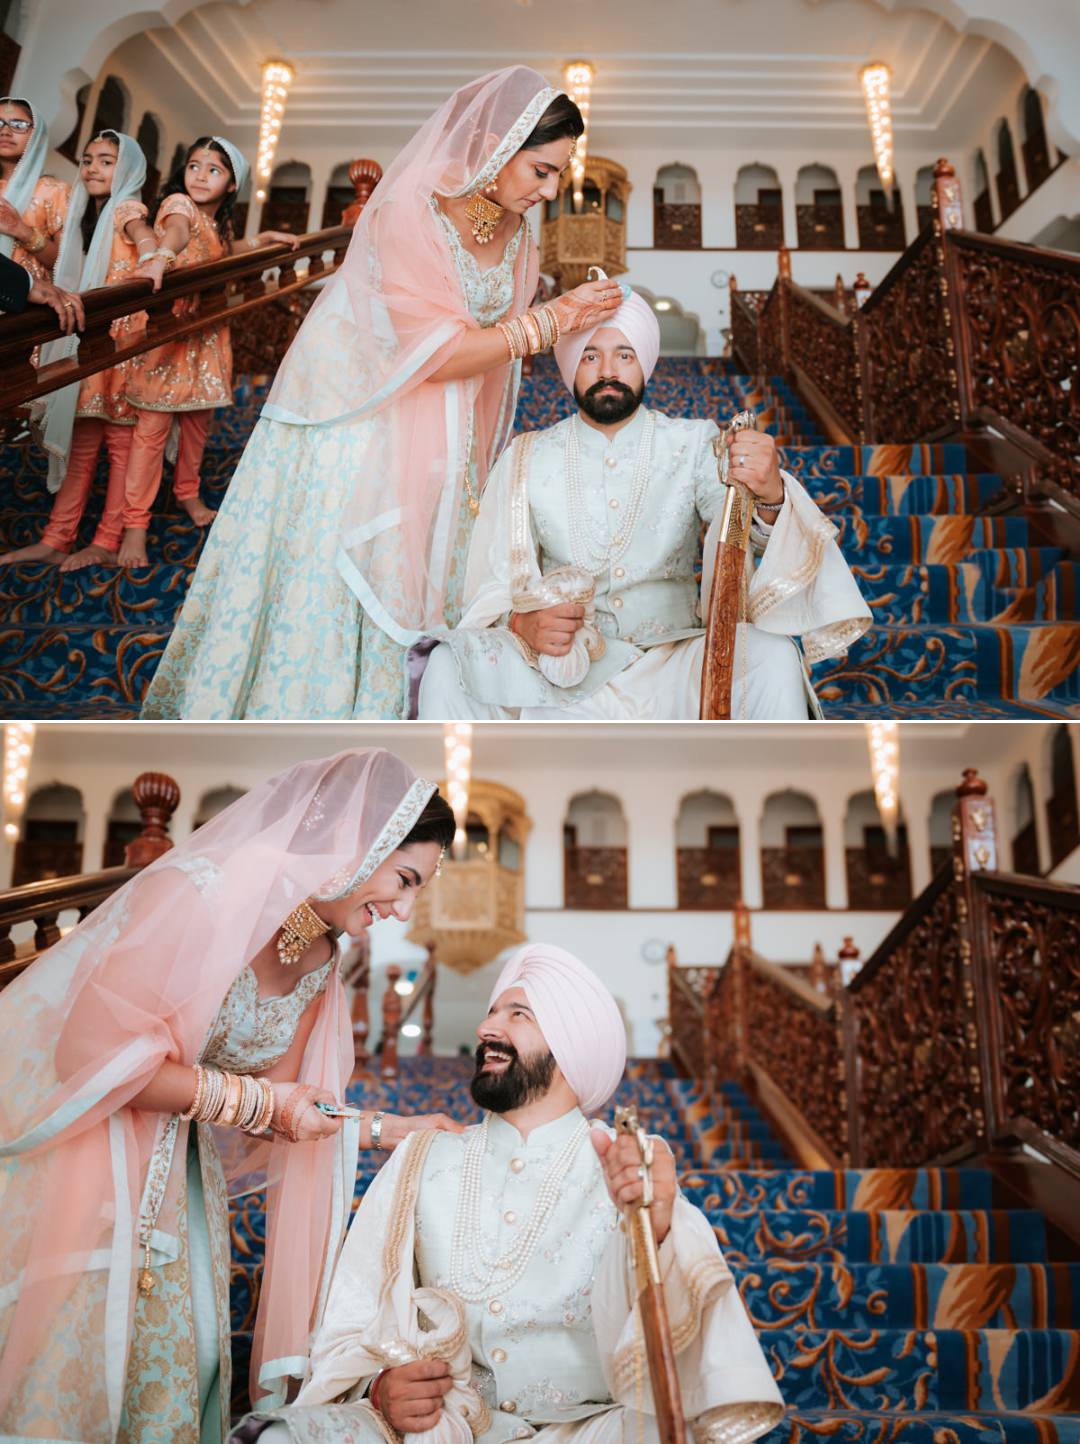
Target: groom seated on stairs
x: 580, y: 596
x: 486, y: 1290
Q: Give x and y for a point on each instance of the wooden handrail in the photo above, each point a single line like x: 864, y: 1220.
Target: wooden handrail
x: 801, y: 992
x: 395, y: 1015
x: 225, y: 289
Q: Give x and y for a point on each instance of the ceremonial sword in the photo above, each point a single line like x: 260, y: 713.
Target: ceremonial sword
x: 727, y: 600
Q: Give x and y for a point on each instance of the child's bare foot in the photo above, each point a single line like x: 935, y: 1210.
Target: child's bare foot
x: 132, y: 551
x: 39, y: 552
x: 201, y: 515
x: 91, y: 556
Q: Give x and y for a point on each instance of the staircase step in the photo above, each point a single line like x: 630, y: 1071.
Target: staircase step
x: 916, y: 1188
x: 810, y: 1426
x: 868, y: 539
x: 959, y: 494
x: 885, y: 1236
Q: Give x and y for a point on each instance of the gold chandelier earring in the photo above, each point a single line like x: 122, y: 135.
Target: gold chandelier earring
x: 484, y: 215
x: 299, y: 930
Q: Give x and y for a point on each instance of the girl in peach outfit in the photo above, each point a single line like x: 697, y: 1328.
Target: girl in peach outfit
x: 32, y: 205
x: 184, y: 381
x: 107, y: 229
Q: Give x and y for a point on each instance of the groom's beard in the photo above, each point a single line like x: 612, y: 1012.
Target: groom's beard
x: 522, y: 1080
x: 617, y: 404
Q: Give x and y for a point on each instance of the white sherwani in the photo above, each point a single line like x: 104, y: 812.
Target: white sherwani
x: 559, y: 1354
x: 647, y: 600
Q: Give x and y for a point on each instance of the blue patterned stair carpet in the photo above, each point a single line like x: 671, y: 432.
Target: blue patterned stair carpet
x: 972, y: 617
x: 895, y: 1307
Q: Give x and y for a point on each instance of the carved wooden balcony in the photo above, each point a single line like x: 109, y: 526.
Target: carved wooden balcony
x: 676, y: 227
x: 595, y: 878
x: 821, y: 228
x: 708, y: 877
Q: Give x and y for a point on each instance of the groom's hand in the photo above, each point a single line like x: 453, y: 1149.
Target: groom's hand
x: 621, y: 1160
x: 550, y: 631
x: 411, y: 1396
x: 756, y: 463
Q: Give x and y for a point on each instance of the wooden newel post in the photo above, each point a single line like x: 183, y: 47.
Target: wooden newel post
x: 391, y: 1022
x: 365, y: 175
x: 974, y: 843
x: 359, y: 979
x: 947, y: 198
x: 157, y: 797
x: 819, y: 970
x: 840, y: 294
x: 739, y: 961
x: 849, y: 953
x: 783, y: 270
x: 427, y: 1022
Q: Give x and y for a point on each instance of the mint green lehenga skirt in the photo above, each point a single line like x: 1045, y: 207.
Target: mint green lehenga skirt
x: 269, y: 628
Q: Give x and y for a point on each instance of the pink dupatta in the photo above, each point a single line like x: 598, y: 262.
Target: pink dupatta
x: 392, y: 316
x: 83, y: 1176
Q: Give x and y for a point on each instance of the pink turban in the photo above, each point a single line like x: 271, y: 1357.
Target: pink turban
x: 577, y: 1015
x: 635, y: 318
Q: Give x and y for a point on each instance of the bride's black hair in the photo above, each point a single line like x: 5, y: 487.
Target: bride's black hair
x: 561, y: 119
x: 175, y: 186
x: 435, y: 823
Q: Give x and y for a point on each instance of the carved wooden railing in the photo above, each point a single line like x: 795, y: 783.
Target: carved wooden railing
x: 965, y: 334
x: 596, y: 877
x: 42, y: 903
x: 395, y: 1015
x: 958, y: 1038
x: 224, y: 290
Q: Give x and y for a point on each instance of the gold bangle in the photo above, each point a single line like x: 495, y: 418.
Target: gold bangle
x: 508, y: 338
x: 37, y: 241
x: 200, y: 1086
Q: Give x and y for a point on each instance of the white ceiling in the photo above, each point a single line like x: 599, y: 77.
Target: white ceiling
x: 691, y: 72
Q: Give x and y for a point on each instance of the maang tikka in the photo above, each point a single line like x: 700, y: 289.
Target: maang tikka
x: 298, y: 932
x: 484, y: 215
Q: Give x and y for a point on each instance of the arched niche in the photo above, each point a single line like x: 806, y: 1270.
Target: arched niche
x: 1063, y: 823
x: 69, y: 149
x: 51, y: 838
x: 924, y: 196
x: 149, y: 137
x: 941, y: 816
x: 677, y: 208
x: 707, y: 860
x: 1033, y: 141
x: 288, y: 199
x: 877, y: 881
x: 113, y: 107
x: 792, y: 853
x: 122, y: 826
x: 1008, y: 177
x: 1025, y: 839
x: 819, y: 209
x: 880, y: 217
x: 983, y: 205
x: 215, y: 801
x: 595, y: 853
x: 759, y: 209
x: 339, y: 194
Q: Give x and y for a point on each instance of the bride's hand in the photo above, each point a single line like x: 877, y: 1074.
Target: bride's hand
x: 395, y: 1128
x: 305, y: 1122
x: 587, y: 305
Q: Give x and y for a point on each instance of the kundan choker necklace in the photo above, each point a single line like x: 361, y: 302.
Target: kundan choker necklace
x: 474, y: 1277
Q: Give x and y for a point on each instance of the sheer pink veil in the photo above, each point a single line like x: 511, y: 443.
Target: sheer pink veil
x: 391, y: 317
x: 85, y: 1027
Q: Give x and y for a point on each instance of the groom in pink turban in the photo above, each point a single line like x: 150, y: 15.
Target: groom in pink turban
x: 582, y: 597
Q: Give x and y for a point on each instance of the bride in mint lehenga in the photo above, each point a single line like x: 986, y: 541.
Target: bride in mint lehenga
x: 343, y: 535
x: 136, y: 1050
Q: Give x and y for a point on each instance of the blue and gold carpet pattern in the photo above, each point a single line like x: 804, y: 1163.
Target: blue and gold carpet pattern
x: 892, y: 1305
x: 972, y: 617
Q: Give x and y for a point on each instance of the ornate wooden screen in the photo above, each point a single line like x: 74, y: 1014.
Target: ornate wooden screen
x: 595, y: 877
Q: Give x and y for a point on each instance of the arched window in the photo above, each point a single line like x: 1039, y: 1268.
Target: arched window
x: 984, y: 206
x: 819, y: 209
x: 924, y: 196
x: 215, y: 801
x: 122, y: 826
x: 707, y: 852
x: 1008, y: 180
x: 877, y: 879
x: 595, y: 852
x: 288, y: 200
x: 70, y: 148
x: 881, y: 219
x: 1025, y: 843
x: 1061, y: 810
x: 1036, y: 148
x: 112, y: 107
x: 51, y: 843
x: 676, y: 209
x: 149, y: 138
x: 759, y: 211
x: 680, y: 331
x: 792, y: 853
x: 339, y: 194
x: 941, y: 815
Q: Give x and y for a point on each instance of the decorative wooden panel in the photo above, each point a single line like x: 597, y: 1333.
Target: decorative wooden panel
x: 821, y: 228
x: 821, y: 344
x: 286, y: 210
x: 595, y: 877
x: 876, y: 882
x: 45, y: 859
x: 793, y: 878
x: 709, y: 877
x: 259, y: 347
x: 676, y: 227
x: 881, y: 229
x: 759, y: 228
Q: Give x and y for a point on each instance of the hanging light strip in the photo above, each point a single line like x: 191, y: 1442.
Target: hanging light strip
x: 876, y: 84
x: 18, y: 749
x: 884, y: 741
x: 578, y: 77
x: 277, y: 76
x: 457, y: 742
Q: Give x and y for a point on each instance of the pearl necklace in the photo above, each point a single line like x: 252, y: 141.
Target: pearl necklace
x: 590, y: 549
x: 472, y: 1273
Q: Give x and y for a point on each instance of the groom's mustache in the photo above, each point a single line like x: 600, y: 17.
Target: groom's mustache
x: 612, y: 385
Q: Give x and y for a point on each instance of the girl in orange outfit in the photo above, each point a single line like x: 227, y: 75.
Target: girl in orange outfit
x: 184, y: 381
x: 107, y: 230
x: 32, y: 205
